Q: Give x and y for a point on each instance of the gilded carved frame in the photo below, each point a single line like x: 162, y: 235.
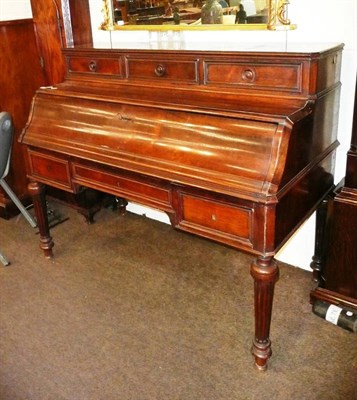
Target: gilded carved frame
x: 277, y: 20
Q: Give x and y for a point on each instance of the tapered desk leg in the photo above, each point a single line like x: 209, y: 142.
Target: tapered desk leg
x: 265, y: 273
x: 37, y: 191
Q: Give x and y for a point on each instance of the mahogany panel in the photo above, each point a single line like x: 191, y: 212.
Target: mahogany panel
x: 60, y: 23
x: 95, y: 65
x: 216, y: 220
x: 175, y: 71
x: 303, y: 198
x: 50, y: 170
x: 232, y: 153
x: 258, y: 75
x: 351, y: 169
x: 340, y: 272
x: 21, y: 74
x: 328, y: 67
x: 46, y: 17
x: 80, y: 21
x: 131, y: 187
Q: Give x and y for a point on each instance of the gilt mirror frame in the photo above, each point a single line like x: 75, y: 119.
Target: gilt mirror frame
x: 277, y: 20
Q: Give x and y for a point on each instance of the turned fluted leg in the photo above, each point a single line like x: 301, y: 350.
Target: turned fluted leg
x: 265, y: 273
x: 37, y: 191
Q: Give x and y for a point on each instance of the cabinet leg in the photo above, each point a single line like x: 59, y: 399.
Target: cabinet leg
x: 37, y: 191
x: 265, y: 272
x: 319, y: 252
x: 120, y: 205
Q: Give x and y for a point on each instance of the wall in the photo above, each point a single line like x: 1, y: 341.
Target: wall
x: 15, y: 9
x: 318, y: 21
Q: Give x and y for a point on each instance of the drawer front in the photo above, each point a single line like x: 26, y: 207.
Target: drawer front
x: 132, y: 189
x: 103, y: 66
x: 49, y: 169
x: 260, y: 76
x: 223, y: 222
x: 164, y: 70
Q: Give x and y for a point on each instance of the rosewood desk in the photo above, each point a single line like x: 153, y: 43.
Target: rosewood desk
x: 237, y: 147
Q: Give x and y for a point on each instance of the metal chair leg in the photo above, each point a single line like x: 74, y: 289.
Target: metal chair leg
x: 4, y: 260
x: 17, y: 202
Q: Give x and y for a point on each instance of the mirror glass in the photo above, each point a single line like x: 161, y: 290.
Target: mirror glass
x: 189, y: 12
x: 194, y: 14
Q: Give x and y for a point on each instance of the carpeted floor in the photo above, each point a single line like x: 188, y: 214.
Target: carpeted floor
x: 130, y: 309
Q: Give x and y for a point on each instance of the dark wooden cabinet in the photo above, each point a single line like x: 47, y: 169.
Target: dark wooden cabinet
x: 338, y: 276
x: 20, y: 76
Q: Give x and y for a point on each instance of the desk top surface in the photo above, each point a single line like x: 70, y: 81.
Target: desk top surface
x: 173, y: 43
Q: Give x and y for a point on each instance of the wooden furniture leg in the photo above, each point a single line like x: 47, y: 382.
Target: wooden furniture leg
x: 120, y: 204
x: 37, y: 191
x: 265, y: 272
x: 319, y: 252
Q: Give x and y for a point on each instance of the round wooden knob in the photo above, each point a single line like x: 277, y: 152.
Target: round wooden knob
x: 92, y: 65
x: 160, y: 70
x: 248, y: 75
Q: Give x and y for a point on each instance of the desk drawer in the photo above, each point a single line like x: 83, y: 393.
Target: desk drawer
x: 49, y: 169
x: 132, y: 188
x: 257, y: 75
x: 164, y: 70
x: 219, y: 221
x: 102, y: 66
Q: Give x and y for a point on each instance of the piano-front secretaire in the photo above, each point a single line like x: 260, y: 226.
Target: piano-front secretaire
x: 237, y: 147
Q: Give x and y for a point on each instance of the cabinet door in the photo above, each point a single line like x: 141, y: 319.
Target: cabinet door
x: 21, y: 75
x: 60, y: 24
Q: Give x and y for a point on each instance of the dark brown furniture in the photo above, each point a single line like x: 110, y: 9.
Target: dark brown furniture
x: 237, y: 147
x: 20, y: 76
x: 337, y: 267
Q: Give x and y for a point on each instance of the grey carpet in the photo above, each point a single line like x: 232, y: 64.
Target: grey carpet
x: 130, y: 309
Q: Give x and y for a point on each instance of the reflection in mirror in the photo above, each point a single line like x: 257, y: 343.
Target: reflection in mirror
x: 195, y: 14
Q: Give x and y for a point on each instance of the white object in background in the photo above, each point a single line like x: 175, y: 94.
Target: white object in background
x: 12, y: 10
x: 249, y: 7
